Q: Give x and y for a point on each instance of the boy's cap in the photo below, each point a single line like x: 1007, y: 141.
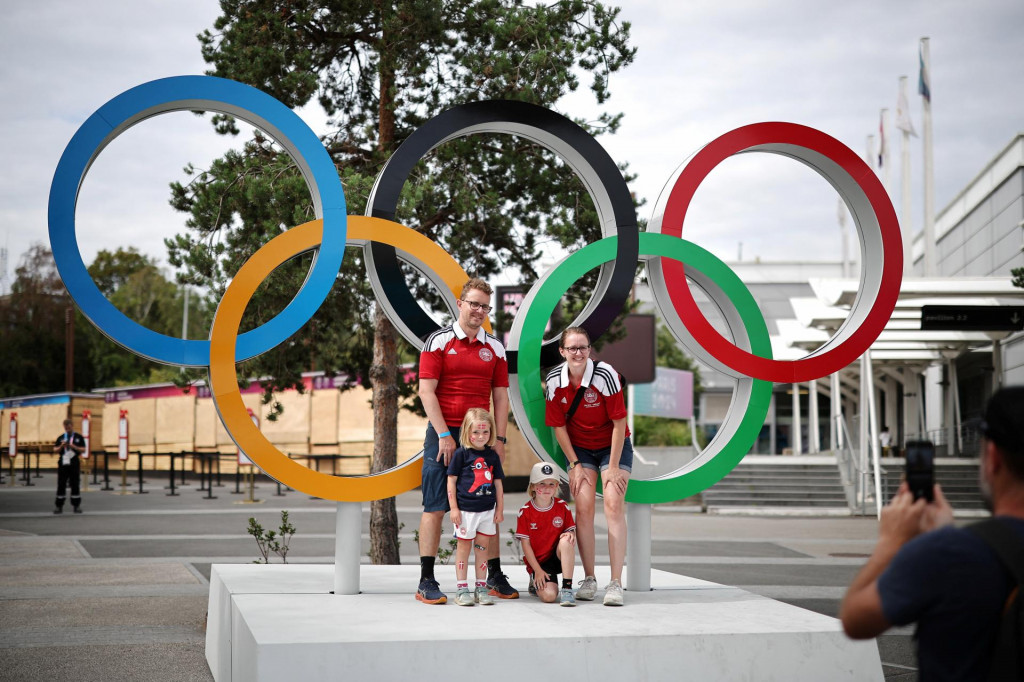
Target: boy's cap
x: 542, y: 471
x: 1003, y: 424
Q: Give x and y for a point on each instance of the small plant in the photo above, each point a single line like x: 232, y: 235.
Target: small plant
x: 270, y: 541
x: 443, y: 555
x: 515, y: 546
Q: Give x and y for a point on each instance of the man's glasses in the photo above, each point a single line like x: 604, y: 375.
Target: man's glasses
x: 575, y: 349
x: 476, y: 307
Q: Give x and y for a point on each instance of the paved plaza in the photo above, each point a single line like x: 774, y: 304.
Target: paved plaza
x: 120, y: 591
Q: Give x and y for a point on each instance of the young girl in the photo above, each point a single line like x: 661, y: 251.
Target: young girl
x: 548, y: 536
x: 475, y: 496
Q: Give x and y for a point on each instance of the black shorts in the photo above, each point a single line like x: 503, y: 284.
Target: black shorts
x: 552, y: 565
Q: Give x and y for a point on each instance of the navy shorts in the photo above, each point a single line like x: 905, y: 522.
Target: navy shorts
x: 597, y: 460
x: 434, y: 484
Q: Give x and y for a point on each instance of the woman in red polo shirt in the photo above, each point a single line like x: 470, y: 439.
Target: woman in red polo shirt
x: 586, y: 410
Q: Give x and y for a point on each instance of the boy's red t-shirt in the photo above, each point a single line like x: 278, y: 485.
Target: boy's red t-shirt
x: 542, y: 527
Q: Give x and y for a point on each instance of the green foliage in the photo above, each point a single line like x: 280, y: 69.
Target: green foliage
x: 1018, y: 277
x: 513, y: 544
x: 272, y: 542
x: 32, y: 327
x: 660, y: 431
x: 33, y: 324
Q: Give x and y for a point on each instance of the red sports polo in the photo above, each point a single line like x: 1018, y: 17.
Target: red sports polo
x: 543, y: 526
x: 591, y: 425
x: 466, y: 370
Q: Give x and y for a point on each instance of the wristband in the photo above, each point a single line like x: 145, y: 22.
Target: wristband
x: 571, y: 465
x: 444, y: 435
x: 502, y: 439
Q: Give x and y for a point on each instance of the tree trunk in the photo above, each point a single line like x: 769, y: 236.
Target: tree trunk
x: 384, y: 371
x: 384, y: 377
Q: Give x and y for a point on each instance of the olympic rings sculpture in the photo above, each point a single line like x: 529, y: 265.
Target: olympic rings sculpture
x: 670, y: 261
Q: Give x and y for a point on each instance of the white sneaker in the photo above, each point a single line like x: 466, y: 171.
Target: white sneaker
x: 613, y: 594
x: 588, y: 588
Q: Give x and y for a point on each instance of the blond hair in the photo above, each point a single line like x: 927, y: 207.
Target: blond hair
x: 476, y: 283
x: 475, y: 415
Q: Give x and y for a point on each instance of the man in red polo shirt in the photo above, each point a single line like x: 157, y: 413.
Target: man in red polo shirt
x: 461, y: 366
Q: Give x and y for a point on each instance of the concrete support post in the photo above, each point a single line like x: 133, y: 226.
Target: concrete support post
x: 933, y: 401
x: 911, y: 386
x: 796, y: 438
x: 813, y: 419
x: 638, y: 547
x: 348, y: 529
x: 835, y: 434
x: 997, y: 365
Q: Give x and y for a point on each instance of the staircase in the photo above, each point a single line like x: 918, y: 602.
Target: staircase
x: 785, y: 483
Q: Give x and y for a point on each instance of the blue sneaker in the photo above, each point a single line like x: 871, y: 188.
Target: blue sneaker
x: 429, y: 592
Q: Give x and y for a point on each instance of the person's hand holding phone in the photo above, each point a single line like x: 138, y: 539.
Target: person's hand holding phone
x: 920, y: 469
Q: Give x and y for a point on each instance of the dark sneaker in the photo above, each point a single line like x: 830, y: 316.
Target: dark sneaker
x: 532, y: 589
x: 499, y: 587
x: 58, y: 510
x: 429, y: 592
x: 78, y: 510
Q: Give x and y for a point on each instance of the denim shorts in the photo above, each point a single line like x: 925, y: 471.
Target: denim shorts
x: 434, y: 484
x: 597, y: 460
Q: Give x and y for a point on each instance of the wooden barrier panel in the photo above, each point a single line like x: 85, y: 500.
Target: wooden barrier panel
x: 323, y: 426
x: 206, y: 422
x: 175, y: 421
x: 28, y: 426
x: 290, y: 432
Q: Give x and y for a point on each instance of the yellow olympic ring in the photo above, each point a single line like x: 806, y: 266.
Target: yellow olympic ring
x: 224, y: 377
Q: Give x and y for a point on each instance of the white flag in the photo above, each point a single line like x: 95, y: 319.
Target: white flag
x: 903, y: 121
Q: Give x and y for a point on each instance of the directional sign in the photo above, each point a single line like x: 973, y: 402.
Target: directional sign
x: 972, y: 318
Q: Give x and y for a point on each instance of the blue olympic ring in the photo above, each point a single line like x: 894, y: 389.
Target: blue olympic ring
x: 187, y: 93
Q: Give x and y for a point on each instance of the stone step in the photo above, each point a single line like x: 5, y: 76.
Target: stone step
x: 782, y: 484
x: 772, y: 492
x: 780, y: 502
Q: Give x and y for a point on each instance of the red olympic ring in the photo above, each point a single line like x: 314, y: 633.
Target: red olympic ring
x: 786, y: 138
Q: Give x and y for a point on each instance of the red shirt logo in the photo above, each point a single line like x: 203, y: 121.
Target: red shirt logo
x: 486, y: 355
x: 557, y: 522
x: 590, y: 396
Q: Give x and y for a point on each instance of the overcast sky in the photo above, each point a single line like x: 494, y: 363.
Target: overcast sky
x: 703, y: 68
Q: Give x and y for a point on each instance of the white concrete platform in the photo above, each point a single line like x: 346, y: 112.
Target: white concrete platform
x: 280, y: 622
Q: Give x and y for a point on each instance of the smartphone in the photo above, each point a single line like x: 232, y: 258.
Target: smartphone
x: 920, y: 472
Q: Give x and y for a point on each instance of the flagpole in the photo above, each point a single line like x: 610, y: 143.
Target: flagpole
x: 924, y: 87
x: 883, y: 151
x: 905, y: 126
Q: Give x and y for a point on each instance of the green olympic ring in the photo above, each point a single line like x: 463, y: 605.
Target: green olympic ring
x: 727, y: 448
